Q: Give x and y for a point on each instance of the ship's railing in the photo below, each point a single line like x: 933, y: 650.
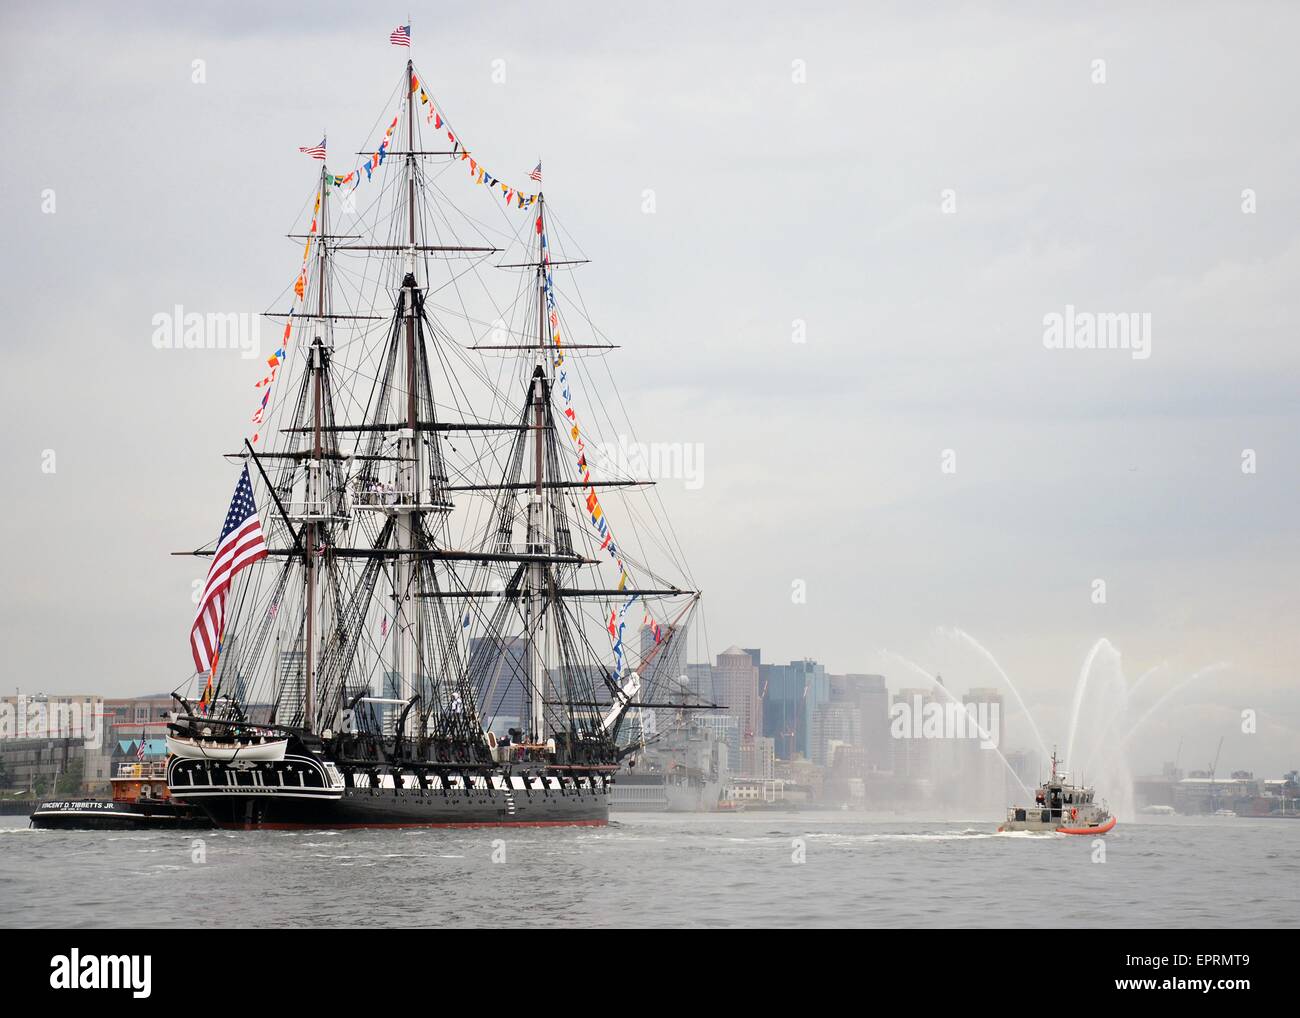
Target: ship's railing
x: 534, y: 548
x: 146, y: 771
x: 308, y: 510
x: 381, y: 495
x: 387, y: 499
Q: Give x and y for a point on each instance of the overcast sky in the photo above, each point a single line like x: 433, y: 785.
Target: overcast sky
x: 776, y: 200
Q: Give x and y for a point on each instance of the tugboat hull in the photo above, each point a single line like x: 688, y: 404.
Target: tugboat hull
x: 112, y: 815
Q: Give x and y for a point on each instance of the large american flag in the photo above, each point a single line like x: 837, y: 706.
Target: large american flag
x: 401, y: 36
x: 241, y: 544
x: 536, y: 172
x: 315, y: 151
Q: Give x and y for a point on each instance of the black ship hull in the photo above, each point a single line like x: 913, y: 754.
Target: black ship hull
x: 364, y: 808
x: 112, y: 815
x: 304, y: 792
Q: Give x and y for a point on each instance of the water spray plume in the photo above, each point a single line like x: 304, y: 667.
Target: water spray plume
x: 1207, y: 670
x: 988, y: 656
x: 984, y: 734
x: 1080, y: 689
x: 1111, y: 721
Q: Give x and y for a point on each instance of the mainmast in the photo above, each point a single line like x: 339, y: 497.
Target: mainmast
x: 404, y: 642
x: 315, y: 504
x: 535, y: 544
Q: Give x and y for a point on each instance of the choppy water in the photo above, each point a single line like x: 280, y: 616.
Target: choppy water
x: 662, y: 870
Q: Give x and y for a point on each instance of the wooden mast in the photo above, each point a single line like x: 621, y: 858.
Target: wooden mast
x: 404, y: 647
x: 314, y: 471
x: 537, y: 524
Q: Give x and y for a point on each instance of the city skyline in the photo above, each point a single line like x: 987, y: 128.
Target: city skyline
x: 1238, y: 753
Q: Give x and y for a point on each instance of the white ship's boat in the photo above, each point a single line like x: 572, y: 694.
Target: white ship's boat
x: 1061, y: 808
x: 258, y: 748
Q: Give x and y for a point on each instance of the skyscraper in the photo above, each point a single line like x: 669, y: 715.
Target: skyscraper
x: 736, y: 677
x: 913, y: 754
x: 663, y: 677
x: 871, y: 696
x: 699, y: 677
x: 982, y: 768
x: 836, y: 721
x: 498, y: 675
x: 781, y: 690
x: 815, y: 689
x: 291, y: 684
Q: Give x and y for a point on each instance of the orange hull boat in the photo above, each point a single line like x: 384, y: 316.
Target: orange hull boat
x: 1101, y: 829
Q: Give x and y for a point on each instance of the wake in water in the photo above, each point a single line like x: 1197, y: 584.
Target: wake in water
x: 1042, y: 835
x: 971, y: 834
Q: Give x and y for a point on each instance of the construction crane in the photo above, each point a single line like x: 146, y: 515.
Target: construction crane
x: 1214, y: 799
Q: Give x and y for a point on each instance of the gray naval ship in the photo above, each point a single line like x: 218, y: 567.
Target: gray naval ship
x: 683, y: 770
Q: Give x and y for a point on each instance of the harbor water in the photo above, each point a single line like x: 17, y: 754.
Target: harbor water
x: 804, y: 869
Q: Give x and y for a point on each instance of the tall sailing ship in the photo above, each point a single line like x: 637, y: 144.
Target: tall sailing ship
x: 425, y: 623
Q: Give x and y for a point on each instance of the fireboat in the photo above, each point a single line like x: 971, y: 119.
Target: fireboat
x: 1061, y: 808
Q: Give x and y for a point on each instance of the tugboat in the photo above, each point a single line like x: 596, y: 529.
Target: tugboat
x: 1061, y: 808
x: 140, y: 800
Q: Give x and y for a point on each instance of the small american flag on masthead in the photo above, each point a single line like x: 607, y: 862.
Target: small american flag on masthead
x: 401, y: 36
